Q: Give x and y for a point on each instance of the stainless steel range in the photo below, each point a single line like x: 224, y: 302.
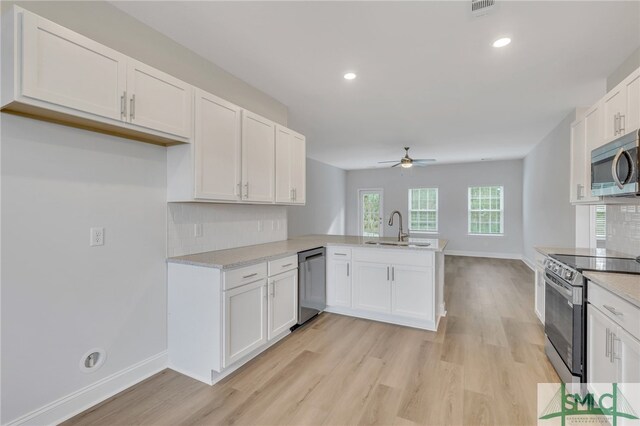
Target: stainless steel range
x: 565, y: 309
x: 564, y: 321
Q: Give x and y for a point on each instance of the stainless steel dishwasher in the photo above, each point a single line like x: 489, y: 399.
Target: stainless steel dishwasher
x: 312, y: 288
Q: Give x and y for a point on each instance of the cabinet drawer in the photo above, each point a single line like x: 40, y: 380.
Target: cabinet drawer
x: 628, y: 316
x: 237, y: 277
x: 395, y: 256
x: 283, y: 265
x: 343, y: 253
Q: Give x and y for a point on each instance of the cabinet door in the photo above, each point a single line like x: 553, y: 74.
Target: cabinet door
x: 631, y: 118
x: 372, y: 287
x: 339, y: 283
x: 258, y: 158
x: 283, y: 303
x: 578, y: 158
x: 412, y: 292
x: 217, y: 148
x: 627, y: 353
x: 158, y: 101
x: 539, y: 294
x: 594, y: 138
x: 613, y: 106
x: 600, y: 365
x: 284, y: 188
x: 299, y: 168
x: 64, y: 68
x: 245, y: 320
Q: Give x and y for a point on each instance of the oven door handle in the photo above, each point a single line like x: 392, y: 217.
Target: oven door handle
x: 563, y: 291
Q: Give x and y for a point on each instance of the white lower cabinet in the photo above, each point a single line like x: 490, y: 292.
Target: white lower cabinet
x: 613, y: 351
x: 339, y: 282
x: 220, y: 319
x: 283, y: 303
x: 372, y: 287
x: 245, y: 317
x: 396, y: 286
x: 412, y: 291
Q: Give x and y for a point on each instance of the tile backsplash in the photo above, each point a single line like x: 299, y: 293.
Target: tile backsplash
x: 199, y: 227
x: 623, y: 228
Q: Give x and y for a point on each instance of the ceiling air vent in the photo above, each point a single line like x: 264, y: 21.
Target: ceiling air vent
x: 482, y: 7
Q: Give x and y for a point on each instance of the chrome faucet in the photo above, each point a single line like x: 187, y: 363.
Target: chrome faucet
x: 401, y: 235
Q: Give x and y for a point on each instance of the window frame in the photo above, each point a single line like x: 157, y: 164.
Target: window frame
x: 470, y: 210
x: 409, y: 210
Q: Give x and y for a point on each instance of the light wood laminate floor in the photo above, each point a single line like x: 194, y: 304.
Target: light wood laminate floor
x: 481, y: 367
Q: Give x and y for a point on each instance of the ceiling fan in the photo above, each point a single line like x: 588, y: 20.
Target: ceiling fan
x: 407, y: 161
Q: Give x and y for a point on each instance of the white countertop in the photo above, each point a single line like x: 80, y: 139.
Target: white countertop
x: 626, y: 286
x: 240, y: 256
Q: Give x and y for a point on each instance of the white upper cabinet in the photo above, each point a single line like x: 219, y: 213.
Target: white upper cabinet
x: 51, y: 72
x: 290, y: 166
x: 258, y: 158
x: 217, y: 148
x: 157, y: 100
x: 64, y: 68
x: 578, y: 148
x: 631, y: 118
x: 622, y: 107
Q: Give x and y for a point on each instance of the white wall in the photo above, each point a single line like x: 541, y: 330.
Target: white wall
x: 324, y: 212
x: 60, y: 298
x: 223, y: 226
x: 548, y: 217
x: 452, y: 181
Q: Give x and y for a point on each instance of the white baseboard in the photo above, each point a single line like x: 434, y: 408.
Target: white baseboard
x: 514, y: 256
x: 529, y: 263
x: 82, y: 399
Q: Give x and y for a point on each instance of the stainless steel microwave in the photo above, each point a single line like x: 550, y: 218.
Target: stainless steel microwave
x: 614, y: 167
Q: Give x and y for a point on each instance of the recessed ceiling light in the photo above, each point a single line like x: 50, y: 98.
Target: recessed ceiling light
x: 501, y: 42
x: 350, y: 76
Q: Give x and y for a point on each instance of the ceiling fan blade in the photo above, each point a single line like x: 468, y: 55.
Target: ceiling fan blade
x: 392, y: 161
x: 396, y: 165
x: 424, y: 160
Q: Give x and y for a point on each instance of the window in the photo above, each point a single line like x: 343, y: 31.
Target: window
x: 486, y: 210
x: 423, y: 210
x: 370, y: 212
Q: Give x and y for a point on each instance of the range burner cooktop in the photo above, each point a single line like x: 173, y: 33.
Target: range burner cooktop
x: 604, y: 264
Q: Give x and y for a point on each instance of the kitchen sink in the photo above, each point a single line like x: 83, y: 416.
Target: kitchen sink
x: 397, y: 243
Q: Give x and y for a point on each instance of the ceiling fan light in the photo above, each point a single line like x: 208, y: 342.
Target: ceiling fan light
x: 406, y: 165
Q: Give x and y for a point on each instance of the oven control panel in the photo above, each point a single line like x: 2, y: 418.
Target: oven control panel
x: 562, y: 271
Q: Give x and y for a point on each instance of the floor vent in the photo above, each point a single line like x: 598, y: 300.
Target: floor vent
x: 482, y: 7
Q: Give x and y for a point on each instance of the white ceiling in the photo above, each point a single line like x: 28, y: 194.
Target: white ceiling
x: 428, y: 76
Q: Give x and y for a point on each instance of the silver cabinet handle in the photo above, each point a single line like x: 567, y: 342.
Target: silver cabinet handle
x: 614, y: 355
x: 579, y: 191
x: 273, y: 285
x: 607, y: 349
x: 613, y: 310
x: 387, y: 273
x: 347, y: 269
x: 291, y: 194
x: 288, y: 264
x: 340, y: 254
x: 621, y: 122
x: 250, y: 275
x: 123, y: 104
x: 132, y: 107
x: 246, y: 188
x: 295, y: 194
x: 393, y: 273
x: 239, y: 189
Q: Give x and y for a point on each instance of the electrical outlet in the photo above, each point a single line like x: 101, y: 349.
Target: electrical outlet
x: 197, y: 230
x: 96, y: 237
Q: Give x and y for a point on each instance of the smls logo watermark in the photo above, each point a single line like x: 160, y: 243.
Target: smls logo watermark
x: 615, y: 404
